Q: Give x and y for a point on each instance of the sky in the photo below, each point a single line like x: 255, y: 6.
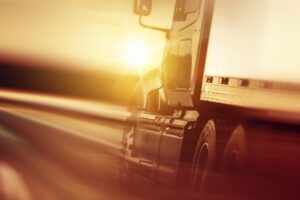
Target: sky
x: 85, y: 33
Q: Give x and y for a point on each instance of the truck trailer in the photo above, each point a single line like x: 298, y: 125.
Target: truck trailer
x: 222, y: 113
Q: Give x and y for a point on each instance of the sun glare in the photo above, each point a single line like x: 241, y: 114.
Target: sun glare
x: 135, y: 54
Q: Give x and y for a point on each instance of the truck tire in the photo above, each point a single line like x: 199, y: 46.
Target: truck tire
x: 233, y: 163
x: 235, y: 151
x: 204, y: 157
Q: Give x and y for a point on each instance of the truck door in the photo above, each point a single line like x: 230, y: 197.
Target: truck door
x: 180, y: 63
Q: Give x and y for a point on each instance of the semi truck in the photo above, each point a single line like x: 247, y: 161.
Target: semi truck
x: 225, y: 103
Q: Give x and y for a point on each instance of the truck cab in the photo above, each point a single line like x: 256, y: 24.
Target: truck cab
x: 182, y: 66
x: 168, y: 113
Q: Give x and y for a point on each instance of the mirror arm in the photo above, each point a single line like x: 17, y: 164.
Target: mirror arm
x: 167, y: 31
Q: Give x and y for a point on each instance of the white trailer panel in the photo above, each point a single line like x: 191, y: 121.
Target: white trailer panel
x: 255, y: 39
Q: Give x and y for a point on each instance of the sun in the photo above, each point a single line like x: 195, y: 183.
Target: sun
x: 135, y: 54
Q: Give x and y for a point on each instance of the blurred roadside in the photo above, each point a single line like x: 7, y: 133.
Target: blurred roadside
x: 67, y: 82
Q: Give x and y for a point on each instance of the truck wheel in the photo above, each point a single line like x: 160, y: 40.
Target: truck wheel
x: 204, y: 157
x: 235, y: 152
x: 233, y: 162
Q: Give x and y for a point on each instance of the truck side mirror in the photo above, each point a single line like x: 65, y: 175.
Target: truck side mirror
x: 142, y: 7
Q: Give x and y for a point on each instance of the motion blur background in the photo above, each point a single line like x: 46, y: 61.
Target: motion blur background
x: 65, y: 148
x: 74, y: 47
